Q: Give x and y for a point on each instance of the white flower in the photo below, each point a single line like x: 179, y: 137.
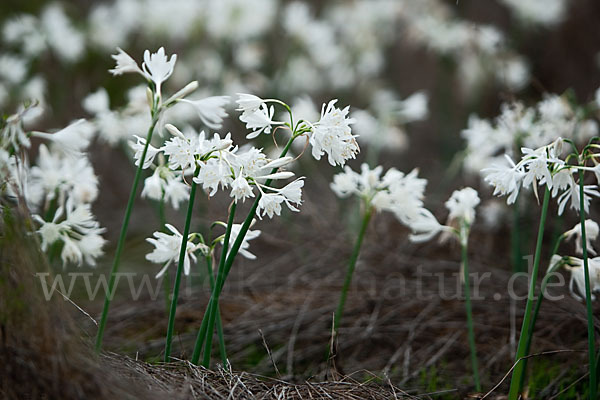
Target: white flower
x: 250, y: 235
x: 572, y: 193
x: 181, y: 152
x: 125, y: 63
x: 248, y: 102
x: 157, y: 68
x: 214, y: 173
x: 167, y: 248
x: 425, y: 226
x: 90, y: 247
x: 345, y: 183
x: 176, y: 191
x: 292, y: 193
x: 332, y: 135
x: 211, y: 110
x: 505, y: 179
x: 259, y: 120
x: 72, y: 139
x: 97, y: 102
x: 240, y: 189
x: 153, y: 186
x: 414, y: 107
x: 591, y: 234
x: 561, y: 180
x: 138, y: 147
x: 575, y: 266
x: 270, y: 204
x: 79, y: 233
x: 462, y: 205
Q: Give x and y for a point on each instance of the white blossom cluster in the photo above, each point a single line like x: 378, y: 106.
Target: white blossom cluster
x: 540, y: 12
x: 214, y: 162
x: 399, y: 193
x: 343, y: 46
x: 58, y: 190
x: 542, y: 166
x: 575, y: 265
x: 518, y: 125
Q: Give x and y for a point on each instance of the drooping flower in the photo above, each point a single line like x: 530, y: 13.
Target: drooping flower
x: 125, y: 64
x: 167, y: 248
x: 250, y: 235
x: 73, y: 139
x: 79, y: 233
x: 332, y: 135
x: 505, y: 179
x: 248, y: 102
x: 591, y: 233
x: 259, y: 120
x: 462, y: 205
x: 138, y: 147
x: 211, y: 110
x: 270, y: 204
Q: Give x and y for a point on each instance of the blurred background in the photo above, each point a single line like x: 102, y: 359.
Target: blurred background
x: 413, y: 73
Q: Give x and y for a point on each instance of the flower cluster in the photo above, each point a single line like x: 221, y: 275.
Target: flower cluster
x: 61, y: 185
x: 518, y: 125
x: 574, y: 264
x: 396, y: 192
x: 168, y: 246
x: 541, y: 166
x: 330, y: 135
x: 74, y: 227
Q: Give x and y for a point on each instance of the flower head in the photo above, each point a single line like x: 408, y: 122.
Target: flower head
x: 125, y: 63
x: 167, y: 247
x: 157, y: 68
x: 462, y: 205
x: 332, y: 135
x: 591, y: 233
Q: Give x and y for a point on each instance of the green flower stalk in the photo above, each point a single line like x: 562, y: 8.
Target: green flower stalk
x: 425, y: 226
x: 209, y: 316
x: 588, y: 295
x: 182, y: 255
x: 519, y: 368
x: 351, y: 265
x: 464, y: 239
x: 123, y: 234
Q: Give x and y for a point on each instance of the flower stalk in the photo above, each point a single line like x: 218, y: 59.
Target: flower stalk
x: 519, y: 368
x: 124, y: 227
x: 350, y: 271
x: 222, y: 349
x: 206, y: 326
x: 471, y: 332
x: 588, y: 296
x: 182, y: 252
x: 214, y: 310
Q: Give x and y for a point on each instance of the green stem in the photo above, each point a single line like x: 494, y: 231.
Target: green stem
x: 588, y: 295
x: 351, y: 265
x: 214, y: 311
x: 538, y: 305
x: 213, y: 302
x: 521, y: 348
x: 515, y: 238
x: 182, y: 251
x: 166, y: 277
x: 121, y: 242
x: 473, y: 350
x: 211, y: 278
